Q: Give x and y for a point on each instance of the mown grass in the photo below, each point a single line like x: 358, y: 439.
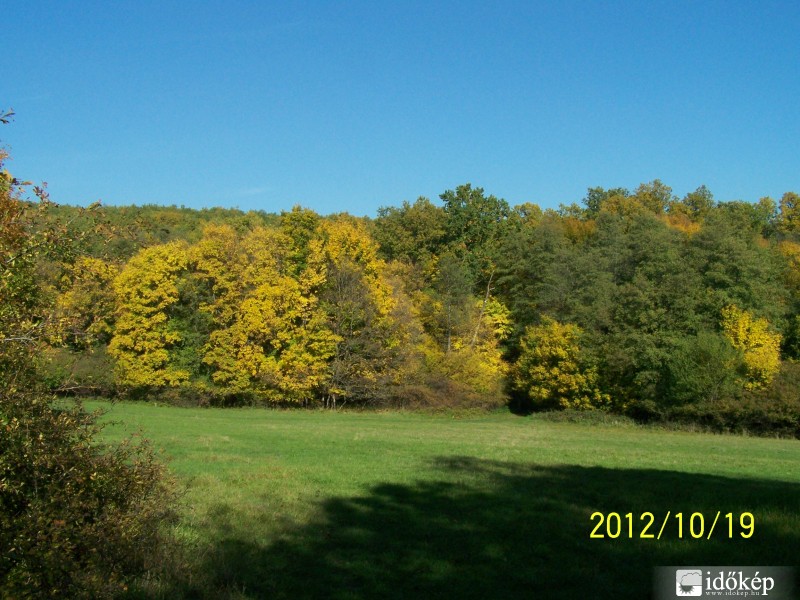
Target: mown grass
x: 300, y: 504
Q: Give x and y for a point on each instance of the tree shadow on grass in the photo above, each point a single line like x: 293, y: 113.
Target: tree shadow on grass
x: 501, y: 530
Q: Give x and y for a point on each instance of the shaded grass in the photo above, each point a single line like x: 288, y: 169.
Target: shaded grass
x: 366, y: 505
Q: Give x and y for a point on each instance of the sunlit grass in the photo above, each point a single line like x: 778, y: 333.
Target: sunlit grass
x: 361, y: 505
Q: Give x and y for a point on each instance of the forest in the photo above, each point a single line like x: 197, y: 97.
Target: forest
x: 638, y: 302
x: 675, y: 311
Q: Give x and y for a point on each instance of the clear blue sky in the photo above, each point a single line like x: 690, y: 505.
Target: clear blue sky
x: 354, y: 105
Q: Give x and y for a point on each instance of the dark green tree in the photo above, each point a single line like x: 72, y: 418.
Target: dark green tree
x: 696, y: 204
x: 475, y: 227
x: 77, y: 519
x: 413, y: 232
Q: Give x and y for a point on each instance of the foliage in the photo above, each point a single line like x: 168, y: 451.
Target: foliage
x: 78, y: 519
x: 759, y: 346
x: 697, y: 204
x: 413, y: 232
x: 268, y: 335
x: 129, y: 229
x: 702, y: 369
x: 86, y: 307
x: 772, y: 410
x: 276, y: 348
x: 790, y: 213
x: 82, y: 372
x: 304, y: 313
x: 551, y: 370
x: 429, y: 298
x: 475, y: 225
x: 146, y: 289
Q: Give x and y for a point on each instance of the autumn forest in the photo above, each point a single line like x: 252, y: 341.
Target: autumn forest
x: 634, y: 302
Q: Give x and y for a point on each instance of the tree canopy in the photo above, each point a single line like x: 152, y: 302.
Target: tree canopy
x: 449, y: 302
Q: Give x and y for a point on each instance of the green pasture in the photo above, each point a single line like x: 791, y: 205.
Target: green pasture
x: 303, y: 504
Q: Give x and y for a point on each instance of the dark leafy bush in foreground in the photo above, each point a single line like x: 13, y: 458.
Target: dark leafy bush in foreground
x: 77, y: 519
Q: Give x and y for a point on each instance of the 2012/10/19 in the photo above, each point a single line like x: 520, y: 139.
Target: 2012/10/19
x: 612, y: 525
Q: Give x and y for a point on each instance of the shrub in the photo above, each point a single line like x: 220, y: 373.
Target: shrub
x: 747, y: 415
x: 774, y: 410
x: 438, y: 393
x: 77, y: 519
x: 702, y: 369
x: 85, y: 373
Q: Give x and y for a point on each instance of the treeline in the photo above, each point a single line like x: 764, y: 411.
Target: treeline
x: 302, y: 312
x: 637, y: 302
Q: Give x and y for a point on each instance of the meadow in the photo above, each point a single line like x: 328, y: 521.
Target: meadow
x: 316, y: 504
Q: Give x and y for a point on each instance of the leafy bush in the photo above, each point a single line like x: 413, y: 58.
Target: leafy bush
x: 701, y: 369
x: 86, y: 373
x: 748, y: 415
x: 774, y: 410
x: 588, y: 417
x: 440, y: 393
x: 77, y: 519
x: 552, y: 371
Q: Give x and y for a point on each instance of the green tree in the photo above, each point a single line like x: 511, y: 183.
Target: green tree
x: 596, y: 198
x: 453, y: 300
x: 77, y: 519
x: 413, y: 232
x: 696, y: 204
x: 537, y: 272
x: 655, y: 196
x: 475, y: 225
x: 701, y: 369
x: 737, y: 267
x: 301, y: 225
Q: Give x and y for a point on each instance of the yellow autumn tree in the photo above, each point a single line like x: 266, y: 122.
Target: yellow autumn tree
x: 276, y: 349
x: 347, y: 242
x: 550, y: 369
x: 470, y: 356
x: 791, y: 252
x: 271, y: 339
x: 85, y: 309
x: 760, y: 347
x: 146, y: 289
x: 216, y: 259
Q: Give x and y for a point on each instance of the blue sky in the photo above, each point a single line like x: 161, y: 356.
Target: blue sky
x: 348, y: 106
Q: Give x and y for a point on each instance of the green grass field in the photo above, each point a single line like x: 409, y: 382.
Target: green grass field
x: 297, y: 504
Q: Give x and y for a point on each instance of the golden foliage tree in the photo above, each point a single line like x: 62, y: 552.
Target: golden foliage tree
x: 86, y: 307
x: 551, y: 371
x: 146, y: 290
x: 271, y: 338
x: 760, y: 347
x: 360, y: 303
